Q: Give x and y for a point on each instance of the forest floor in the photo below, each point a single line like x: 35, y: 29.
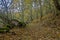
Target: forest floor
x: 48, y: 28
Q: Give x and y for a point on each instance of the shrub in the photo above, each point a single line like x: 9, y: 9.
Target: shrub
x: 22, y: 24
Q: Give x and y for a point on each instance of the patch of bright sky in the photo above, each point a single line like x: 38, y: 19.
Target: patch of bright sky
x: 42, y: 2
x: 7, y: 1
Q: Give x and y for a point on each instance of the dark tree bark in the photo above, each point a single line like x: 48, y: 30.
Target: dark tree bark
x: 57, y: 5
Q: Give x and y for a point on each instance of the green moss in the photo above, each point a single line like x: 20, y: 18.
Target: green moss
x: 5, y: 29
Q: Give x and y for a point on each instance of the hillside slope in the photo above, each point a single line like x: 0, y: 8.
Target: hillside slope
x: 46, y: 29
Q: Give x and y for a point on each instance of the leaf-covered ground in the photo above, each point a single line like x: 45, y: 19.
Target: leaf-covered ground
x: 46, y: 29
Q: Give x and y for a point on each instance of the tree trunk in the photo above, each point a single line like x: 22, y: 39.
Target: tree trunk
x: 56, y: 3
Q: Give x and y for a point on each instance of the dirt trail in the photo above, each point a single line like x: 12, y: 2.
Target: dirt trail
x: 47, y: 29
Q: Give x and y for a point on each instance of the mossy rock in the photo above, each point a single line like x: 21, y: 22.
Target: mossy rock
x: 10, y: 26
x: 15, y: 22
